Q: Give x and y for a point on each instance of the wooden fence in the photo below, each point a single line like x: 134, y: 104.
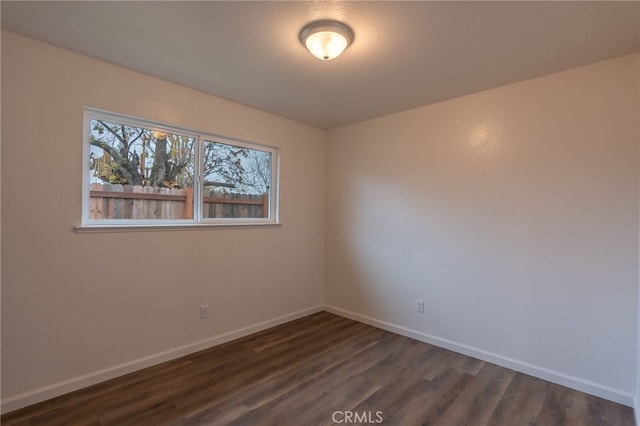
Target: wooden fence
x: 109, y: 201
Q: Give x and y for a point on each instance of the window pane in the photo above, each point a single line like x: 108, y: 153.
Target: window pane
x: 237, y: 181
x: 139, y: 173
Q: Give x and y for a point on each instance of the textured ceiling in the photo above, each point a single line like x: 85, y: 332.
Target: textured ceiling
x: 405, y: 54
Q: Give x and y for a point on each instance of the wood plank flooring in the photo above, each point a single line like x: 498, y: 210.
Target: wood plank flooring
x: 322, y: 370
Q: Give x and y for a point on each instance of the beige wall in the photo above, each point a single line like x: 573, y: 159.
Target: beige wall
x: 513, y: 213
x: 75, y: 304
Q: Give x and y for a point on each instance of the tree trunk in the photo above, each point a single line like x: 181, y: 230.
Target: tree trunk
x: 159, y: 169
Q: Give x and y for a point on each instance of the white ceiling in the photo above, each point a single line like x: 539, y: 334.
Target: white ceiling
x: 405, y: 54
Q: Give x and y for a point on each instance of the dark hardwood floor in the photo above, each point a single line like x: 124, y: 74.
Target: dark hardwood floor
x: 324, y: 369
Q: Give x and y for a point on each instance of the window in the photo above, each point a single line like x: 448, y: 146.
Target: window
x: 143, y: 173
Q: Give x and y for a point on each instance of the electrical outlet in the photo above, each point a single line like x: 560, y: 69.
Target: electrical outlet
x: 204, y: 311
x: 420, y: 306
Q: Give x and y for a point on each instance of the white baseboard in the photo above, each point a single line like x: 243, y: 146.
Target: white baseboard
x: 66, y: 386
x: 60, y: 388
x: 557, y: 377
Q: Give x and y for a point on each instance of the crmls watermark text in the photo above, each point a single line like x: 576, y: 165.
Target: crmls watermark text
x: 356, y: 417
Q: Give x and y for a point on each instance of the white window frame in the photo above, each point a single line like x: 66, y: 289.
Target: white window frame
x: 89, y: 225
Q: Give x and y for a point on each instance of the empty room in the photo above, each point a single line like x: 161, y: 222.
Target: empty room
x: 316, y: 213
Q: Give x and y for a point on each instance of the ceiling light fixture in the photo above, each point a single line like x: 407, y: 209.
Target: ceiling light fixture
x: 326, y: 40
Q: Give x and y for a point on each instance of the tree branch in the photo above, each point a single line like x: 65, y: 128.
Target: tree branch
x: 105, y: 146
x: 113, y: 132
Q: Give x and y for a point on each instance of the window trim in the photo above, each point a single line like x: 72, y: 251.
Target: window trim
x: 105, y: 225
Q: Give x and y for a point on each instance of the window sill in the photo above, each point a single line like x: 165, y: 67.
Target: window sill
x: 93, y: 229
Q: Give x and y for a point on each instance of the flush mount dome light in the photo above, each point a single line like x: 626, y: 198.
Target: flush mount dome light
x: 326, y: 40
